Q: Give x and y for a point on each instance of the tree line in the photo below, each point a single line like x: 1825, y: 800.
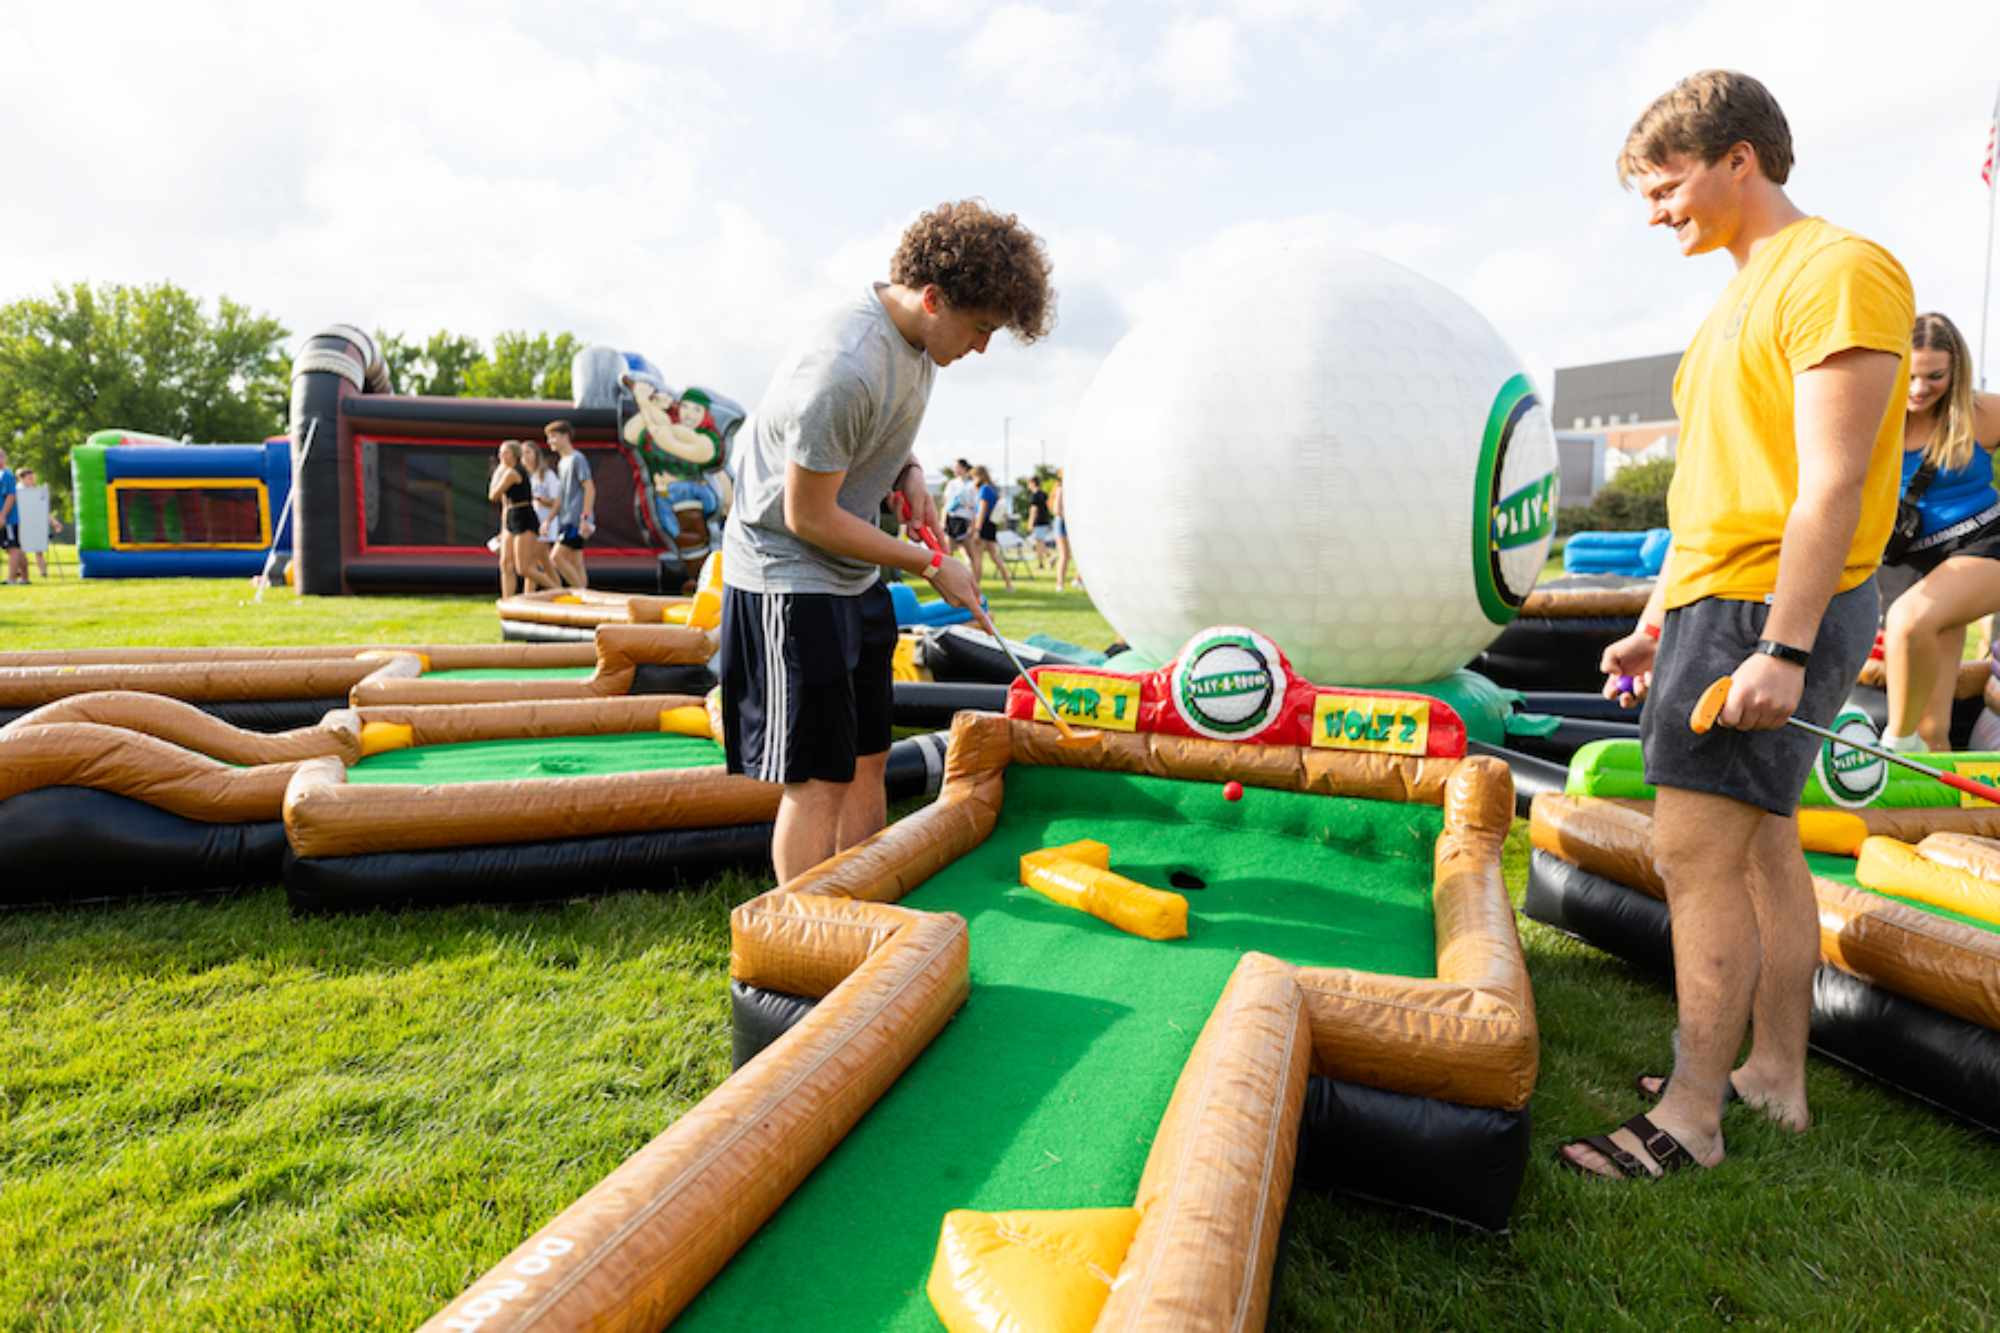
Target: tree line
x: 160, y: 360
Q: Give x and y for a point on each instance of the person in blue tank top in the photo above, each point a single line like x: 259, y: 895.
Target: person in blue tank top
x: 1955, y: 559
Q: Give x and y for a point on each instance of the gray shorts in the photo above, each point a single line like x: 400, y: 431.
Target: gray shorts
x: 1710, y: 638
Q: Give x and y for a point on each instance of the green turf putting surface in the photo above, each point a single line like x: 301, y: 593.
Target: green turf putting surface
x: 1841, y: 870
x: 546, y: 757
x: 1045, y: 1091
x: 514, y: 673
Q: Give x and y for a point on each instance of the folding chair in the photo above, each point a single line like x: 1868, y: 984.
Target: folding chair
x: 1015, y: 551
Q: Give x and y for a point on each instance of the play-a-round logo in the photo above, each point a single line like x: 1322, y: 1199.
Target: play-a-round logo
x: 1227, y: 683
x: 1514, y: 500
x: 1851, y: 778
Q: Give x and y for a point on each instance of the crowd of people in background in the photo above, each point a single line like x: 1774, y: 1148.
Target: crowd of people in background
x: 978, y: 524
x: 11, y: 489
x: 548, y: 511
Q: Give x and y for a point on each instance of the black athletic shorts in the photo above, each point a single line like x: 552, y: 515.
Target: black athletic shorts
x: 956, y: 526
x: 574, y: 539
x: 1710, y: 638
x: 10, y: 539
x: 989, y: 531
x: 806, y: 682
x: 521, y: 518
x: 1982, y: 542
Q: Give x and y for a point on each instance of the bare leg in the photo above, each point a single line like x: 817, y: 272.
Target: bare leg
x: 1062, y: 562
x: 999, y: 563
x: 1773, y: 1079
x: 1707, y: 848
x: 528, y: 561
x: 807, y: 826
x: 1935, y: 725
x: 864, y: 808
x: 509, y: 582
x: 1956, y: 593
x: 973, y: 547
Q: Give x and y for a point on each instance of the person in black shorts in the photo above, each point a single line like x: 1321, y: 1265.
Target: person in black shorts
x: 520, y: 562
x: 959, y: 505
x: 1947, y: 577
x: 808, y: 630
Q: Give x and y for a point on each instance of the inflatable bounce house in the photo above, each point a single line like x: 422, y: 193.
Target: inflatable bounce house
x: 392, y: 487
x: 150, y: 507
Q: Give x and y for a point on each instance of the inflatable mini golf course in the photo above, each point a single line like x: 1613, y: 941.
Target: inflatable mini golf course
x: 930, y: 1051
x: 1045, y: 1091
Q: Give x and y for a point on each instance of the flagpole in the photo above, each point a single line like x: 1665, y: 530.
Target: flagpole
x: 1992, y: 192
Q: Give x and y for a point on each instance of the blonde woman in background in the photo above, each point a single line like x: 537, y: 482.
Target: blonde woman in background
x: 1955, y: 558
x: 511, y: 489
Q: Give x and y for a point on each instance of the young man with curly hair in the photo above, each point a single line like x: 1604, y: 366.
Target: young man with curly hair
x: 808, y: 630
x: 1789, y: 459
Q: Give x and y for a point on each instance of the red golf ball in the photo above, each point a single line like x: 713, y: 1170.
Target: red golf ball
x: 1232, y: 791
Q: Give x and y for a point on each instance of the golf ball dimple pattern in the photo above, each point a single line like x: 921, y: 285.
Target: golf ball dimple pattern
x: 1294, y: 444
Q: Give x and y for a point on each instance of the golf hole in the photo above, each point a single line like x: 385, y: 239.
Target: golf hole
x: 1186, y: 879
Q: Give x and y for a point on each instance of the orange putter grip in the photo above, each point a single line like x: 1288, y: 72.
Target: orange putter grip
x: 1709, y: 707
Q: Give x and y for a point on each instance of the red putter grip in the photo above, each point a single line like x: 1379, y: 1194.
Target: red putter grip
x: 923, y: 530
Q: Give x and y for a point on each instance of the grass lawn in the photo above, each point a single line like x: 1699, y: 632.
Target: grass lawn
x: 215, y: 1116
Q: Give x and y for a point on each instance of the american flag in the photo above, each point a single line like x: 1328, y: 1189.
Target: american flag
x: 1992, y: 143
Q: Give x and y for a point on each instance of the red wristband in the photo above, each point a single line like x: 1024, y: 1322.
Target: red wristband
x: 1652, y: 631
x: 937, y: 563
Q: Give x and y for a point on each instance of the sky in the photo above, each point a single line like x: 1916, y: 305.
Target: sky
x: 693, y: 180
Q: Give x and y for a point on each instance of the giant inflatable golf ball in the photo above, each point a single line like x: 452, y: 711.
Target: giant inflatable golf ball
x: 1326, y: 446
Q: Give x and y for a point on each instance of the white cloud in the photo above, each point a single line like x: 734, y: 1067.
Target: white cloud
x: 1043, y: 60
x: 1199, y: 62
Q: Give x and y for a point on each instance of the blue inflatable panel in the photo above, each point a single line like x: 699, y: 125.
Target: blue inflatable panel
x: 191, y: 564
x: 189, y: 460
x: 911, y: 612
x: 1637, y: 554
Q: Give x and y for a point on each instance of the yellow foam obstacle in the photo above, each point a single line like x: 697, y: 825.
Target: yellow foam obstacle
x: 1048, y: 1270
x: 1889, y: 866
x: 1834, y: 831
x: 1078, y: 875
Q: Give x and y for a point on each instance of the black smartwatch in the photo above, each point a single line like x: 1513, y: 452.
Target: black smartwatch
x: 1784, y: 652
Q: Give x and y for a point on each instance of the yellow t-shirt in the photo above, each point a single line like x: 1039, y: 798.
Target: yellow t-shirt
x: 1811, y: 291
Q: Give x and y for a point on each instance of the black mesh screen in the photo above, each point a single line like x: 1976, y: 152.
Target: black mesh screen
x: 433, y: 494
x: 189, y: 516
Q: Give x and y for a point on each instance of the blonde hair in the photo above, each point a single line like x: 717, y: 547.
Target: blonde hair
x: 1704, y: 116
x: 1952, y: 441
x: 510, y: 454
x: 982, y: 476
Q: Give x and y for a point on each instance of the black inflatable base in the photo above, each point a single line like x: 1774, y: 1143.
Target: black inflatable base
x: 249, y: 714
x: 655, y: 678
x: 61, y: 846
x: 1463, y: 1163
x: 528, y: 631
x: 1552, y: 654
x: 1932, y: 1056
x: 933, y: 703
x: 523, y: 872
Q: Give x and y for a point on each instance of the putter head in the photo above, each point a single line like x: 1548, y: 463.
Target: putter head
x: 1709, y: 706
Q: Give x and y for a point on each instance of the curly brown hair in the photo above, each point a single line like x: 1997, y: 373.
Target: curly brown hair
x: 980, y: 260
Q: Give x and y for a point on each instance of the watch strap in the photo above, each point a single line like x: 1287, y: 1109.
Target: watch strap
x: 1784, y: 652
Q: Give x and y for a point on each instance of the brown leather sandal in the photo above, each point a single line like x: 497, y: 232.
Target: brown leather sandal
x: 1666, y: 1151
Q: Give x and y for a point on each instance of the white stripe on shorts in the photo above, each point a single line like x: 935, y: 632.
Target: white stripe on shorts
x: 771, y: 766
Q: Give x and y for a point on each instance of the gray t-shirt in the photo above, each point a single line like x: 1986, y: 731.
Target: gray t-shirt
x: 848, y: 396
x: 572, y: 472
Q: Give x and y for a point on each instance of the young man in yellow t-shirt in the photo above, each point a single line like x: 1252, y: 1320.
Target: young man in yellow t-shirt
x: 1784, y: 493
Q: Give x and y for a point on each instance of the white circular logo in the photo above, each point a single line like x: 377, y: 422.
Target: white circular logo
x: 1851, y: 778
x: 1227, y: 683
